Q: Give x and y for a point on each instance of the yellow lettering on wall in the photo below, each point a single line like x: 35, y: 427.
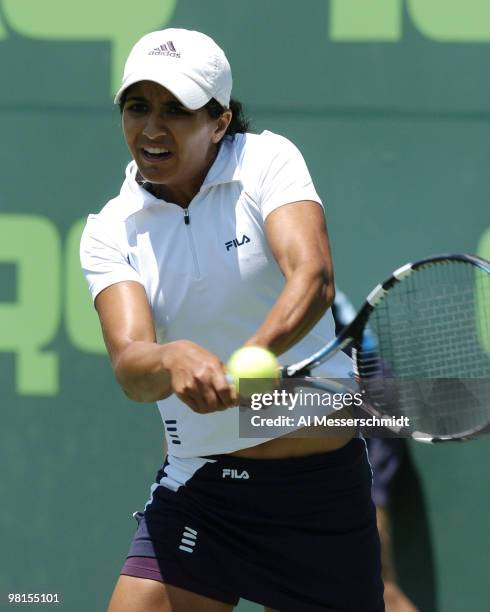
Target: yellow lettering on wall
x: 120, y: 23
x: 3, y: 31
x: 483, y: 296
x: 365, y: 20
x: 30, y: 323
x: 451, y: 20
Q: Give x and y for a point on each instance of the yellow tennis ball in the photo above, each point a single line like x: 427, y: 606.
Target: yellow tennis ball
x: 254, y: 364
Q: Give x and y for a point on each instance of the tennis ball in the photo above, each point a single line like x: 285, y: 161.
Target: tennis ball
x: 254, y: 364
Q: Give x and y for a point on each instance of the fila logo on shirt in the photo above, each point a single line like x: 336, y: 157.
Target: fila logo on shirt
x: 227, y: 473
x: 165, y: 49
x: 236, y: 243
x: 188, y: 540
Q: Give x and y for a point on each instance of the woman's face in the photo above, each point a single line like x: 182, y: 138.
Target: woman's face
x: 171, y: 144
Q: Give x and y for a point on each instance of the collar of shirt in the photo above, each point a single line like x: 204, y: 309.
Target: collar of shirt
x: 225, y: 169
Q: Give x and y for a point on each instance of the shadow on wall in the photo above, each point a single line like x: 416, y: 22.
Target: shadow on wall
x: 414, y: 559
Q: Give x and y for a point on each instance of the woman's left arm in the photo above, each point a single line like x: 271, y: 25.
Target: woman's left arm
x: 298, y: 238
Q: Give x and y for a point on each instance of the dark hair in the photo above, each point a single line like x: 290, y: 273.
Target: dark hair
x: 239, y: 123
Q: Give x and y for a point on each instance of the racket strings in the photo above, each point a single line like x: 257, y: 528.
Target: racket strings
x: 432, y: 362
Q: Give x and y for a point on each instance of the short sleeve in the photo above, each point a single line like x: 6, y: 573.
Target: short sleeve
x: 285, y: 177
x: 103, y: 256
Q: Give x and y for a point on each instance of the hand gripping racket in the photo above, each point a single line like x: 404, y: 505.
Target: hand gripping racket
x: 421, y: 349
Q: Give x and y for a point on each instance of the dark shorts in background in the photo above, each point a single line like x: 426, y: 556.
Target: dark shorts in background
x: 385, y: 456
x: 294, y: 534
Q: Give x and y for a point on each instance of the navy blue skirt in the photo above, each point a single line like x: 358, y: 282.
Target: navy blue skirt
x: 296, y: 534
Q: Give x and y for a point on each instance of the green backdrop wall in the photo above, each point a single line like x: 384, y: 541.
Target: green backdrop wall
x: 389, y: 102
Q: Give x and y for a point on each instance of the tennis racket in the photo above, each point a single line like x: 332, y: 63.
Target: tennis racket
x: 420, y: 348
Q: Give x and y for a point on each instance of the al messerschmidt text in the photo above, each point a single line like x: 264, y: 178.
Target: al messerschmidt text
x: 325, y: 421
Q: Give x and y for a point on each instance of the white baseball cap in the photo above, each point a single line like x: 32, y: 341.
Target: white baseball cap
x: 187, y: 63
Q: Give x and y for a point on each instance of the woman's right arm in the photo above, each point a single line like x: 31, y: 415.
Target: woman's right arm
x: 147, y: 371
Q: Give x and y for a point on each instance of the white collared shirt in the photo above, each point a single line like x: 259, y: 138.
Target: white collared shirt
x: 208, y: 271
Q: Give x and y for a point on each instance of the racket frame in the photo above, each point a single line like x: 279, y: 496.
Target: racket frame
x: 353, y: 332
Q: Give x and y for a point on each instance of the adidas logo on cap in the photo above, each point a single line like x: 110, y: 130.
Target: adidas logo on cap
x: 165, y: 49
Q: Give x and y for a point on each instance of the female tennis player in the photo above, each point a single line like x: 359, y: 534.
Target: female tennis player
x: 217, y: 240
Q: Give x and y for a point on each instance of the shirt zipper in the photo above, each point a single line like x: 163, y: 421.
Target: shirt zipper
x: 187, y: 222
